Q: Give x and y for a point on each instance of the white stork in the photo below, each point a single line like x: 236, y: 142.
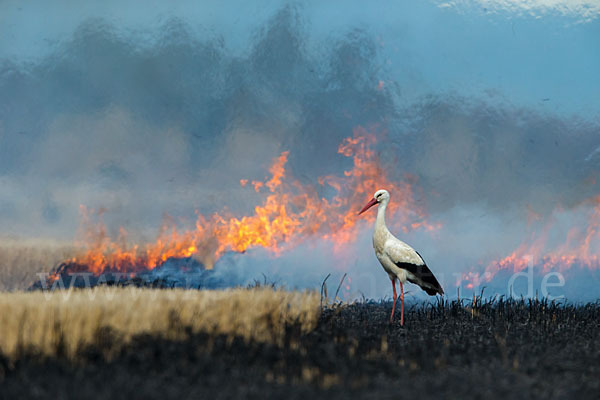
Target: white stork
x: 399, y: 260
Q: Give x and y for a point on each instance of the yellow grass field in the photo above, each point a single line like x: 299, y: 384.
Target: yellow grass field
x: 21, y: 260
x: 40, y: 320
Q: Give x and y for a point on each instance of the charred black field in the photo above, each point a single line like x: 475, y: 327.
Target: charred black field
x: 460, y: 349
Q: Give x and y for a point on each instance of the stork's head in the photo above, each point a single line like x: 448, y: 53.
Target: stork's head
x: 380, y: 196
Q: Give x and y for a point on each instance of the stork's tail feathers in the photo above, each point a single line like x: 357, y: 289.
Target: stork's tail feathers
x: 431, y: 286
x: 433, y: 291
x: 421, y: 275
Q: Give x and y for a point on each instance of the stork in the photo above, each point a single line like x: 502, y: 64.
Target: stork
x: 398, y: 259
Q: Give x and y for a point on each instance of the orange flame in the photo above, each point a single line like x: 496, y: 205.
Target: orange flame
x: 290, y: 213
x: 579, y: 247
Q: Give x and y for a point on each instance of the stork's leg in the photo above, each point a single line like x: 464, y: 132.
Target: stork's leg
x: 395, y: 297
x: 401, y: 304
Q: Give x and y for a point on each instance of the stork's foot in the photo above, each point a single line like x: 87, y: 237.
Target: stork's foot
x: 392, y: 324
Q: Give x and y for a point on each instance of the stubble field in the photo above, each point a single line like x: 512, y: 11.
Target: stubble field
x: 264, y: 343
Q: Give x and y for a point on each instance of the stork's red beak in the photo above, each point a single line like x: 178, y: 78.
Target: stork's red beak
x: 368, y: 205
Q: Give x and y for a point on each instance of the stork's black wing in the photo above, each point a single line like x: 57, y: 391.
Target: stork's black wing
x: 421, y: 275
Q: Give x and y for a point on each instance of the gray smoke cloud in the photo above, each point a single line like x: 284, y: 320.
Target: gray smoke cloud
x: 171, y: 123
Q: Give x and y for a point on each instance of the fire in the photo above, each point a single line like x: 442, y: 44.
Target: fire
x: 578, y: 247
x: 290, y: 213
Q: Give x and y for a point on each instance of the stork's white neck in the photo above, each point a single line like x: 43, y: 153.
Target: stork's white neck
x: 380, y: 221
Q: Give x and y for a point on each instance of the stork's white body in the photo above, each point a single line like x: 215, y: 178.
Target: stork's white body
x: 390, y: 250
x: 401, y: 262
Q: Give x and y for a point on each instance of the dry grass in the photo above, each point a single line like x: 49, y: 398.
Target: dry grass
x: 69, y: 320
x: 22, y: 260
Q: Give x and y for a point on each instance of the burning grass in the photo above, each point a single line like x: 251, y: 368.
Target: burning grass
x: 290, y: 213
x: 64, y: 322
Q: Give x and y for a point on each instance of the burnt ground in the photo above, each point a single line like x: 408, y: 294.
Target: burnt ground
x: 500, y: 349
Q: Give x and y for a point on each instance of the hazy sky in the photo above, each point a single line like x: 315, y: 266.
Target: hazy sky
x: 541, y: 53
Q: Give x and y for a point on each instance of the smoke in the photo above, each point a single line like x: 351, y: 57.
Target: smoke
x: 143, y: 125
x: 105, y: 122
x: 582, y: 11
x: 471, y: 151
